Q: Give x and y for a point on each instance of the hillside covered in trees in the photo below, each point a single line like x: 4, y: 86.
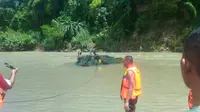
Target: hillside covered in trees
x: 113, y: 25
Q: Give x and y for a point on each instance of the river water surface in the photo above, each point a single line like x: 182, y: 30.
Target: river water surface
x: 51, y: 82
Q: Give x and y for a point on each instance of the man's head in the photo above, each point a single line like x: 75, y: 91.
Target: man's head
x: 190, y: 62
x: 128, y: 61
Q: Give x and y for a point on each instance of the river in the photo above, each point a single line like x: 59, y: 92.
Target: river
x: 51, y: 82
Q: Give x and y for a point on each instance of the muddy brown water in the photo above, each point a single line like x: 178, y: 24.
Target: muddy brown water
x: 51, y: 82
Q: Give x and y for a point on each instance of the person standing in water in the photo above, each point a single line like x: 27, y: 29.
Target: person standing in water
x: 190, y: 63
x: 91, y: 48
x: 6, y: 84
x: 131, y: 85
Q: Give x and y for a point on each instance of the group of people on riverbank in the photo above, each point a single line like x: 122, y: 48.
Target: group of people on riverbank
x: 131, y: 83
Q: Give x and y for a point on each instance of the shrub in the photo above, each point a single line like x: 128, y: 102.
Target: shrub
x: 11, y: 40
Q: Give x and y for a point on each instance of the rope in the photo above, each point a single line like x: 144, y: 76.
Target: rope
x: 54, y: 96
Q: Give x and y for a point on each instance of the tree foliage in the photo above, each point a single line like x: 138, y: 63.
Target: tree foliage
x: 111, y: 24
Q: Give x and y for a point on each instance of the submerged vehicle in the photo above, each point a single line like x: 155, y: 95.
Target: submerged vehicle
x: 94, y: 60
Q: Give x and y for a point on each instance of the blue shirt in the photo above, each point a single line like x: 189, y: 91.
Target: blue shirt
x: 194, y: 109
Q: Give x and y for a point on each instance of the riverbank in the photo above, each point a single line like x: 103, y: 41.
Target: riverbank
x: 74, y: 55
x: 69, y: 25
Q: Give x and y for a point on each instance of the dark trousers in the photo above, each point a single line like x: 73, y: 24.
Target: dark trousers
x: 132, y: 104
x: 93, y: 51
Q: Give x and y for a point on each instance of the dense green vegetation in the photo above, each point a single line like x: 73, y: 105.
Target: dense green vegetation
x: 113, y: 25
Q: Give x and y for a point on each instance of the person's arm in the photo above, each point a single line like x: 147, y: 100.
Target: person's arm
x: 130, y: 77
x: 12, y: 77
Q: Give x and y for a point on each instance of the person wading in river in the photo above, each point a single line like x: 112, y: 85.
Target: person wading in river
x: 190, y: 63
x: 91, y: 48
x: 131, y: 85
x: 6, y: 84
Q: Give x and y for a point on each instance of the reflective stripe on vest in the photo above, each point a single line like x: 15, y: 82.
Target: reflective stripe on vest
x: 136, y: 87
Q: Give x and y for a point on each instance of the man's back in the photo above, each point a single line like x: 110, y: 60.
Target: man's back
x: 91, y: 45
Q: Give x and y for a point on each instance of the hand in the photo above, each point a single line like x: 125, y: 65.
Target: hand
x: 15, y: 70
x: 126, y: 106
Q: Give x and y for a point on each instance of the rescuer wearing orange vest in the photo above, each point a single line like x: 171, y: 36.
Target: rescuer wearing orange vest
x: 6, y: 84
x: 131, y: 85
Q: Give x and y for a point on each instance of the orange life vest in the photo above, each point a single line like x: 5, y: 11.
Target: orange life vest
x: 3, y: 88
x: 2, y: 95
x: 136, y: 86
x: 190, y: 99
x: 1, y: 100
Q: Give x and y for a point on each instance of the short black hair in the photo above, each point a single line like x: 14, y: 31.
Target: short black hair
x: 129, y: 58
x: 192, y: 48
